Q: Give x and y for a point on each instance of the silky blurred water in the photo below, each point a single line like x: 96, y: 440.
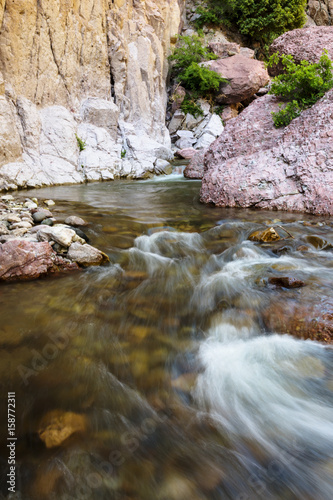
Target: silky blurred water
x: 178, y: 386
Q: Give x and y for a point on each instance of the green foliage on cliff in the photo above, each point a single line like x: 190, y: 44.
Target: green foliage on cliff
x: 262, y: 20
x: 81, y: 144
x: 300, y: 84
x: 190, y: 50
x: 200, y: 81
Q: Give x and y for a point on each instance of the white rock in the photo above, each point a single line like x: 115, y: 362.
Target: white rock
x: 49, y: 203
x: 191, y: 122
x: 85, y: 254
x: 58, y: 134
x: 143, y: 146
x: 185, y: 142
x: 176, y: 121
x: 214, y: 126
x: 101, y: 159
x: 101, y: 113
x: 186, y: 134
x: 30, y: 205
x: 204, y: 105
x: 13, y: 218
x: 73, y: 220
x: 204, y: 141
x: 60, y: 234
x: 30, y: 123
x: 197, y: 131
x: 24, y: 224
x: 163, y: 167
x: 58, y: 171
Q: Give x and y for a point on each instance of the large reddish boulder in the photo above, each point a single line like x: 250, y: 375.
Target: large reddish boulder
x: 26, y: 260
x: 245, y: 77
x: 303, y: 44
x: 253, y: 164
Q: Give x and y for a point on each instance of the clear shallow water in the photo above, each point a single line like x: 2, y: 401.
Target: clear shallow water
x: 178, y: 388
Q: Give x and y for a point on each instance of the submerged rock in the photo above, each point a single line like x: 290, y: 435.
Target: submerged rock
x: 57, y: 426
x: 304, y: 320
x: 265, y: 236
x: 286, y: 282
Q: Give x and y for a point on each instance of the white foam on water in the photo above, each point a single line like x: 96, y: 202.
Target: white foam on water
x: 255, y: 388
x: 168, y: 243
x: 148, y: 261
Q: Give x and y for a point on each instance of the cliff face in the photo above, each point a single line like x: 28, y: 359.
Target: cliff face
x: 95, y: 68
x: 321, y: 11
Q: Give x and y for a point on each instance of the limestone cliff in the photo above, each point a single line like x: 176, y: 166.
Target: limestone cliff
x: 92, y: 68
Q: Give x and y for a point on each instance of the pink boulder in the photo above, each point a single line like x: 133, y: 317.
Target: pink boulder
x: 303, y: 44
x: 245, y: 77
x: 26, y: 260
x: 186, y: 153
x: 224, y: 49
x: 253, y: 164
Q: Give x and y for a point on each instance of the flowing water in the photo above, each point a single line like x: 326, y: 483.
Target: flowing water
x: 160, y: 372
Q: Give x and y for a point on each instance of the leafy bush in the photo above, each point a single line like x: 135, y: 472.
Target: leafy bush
x: 287, y: 114
x: 262, y: 20
x: 189, y: 106
x: 190, y: 51
x: 201, y: 80
x: 207, y: 16
x: 301, y: 84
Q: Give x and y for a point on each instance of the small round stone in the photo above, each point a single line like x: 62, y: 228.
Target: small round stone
x: 72, y: 220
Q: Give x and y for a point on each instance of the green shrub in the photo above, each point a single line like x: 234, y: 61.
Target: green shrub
x: 82, y: 145
x: 189, y: 106
x: 287, y: 114
x: 190, y: 51
x: 200, y: 80
x: 262, y: 20
x: 207, y: 16
x: 301, y: 84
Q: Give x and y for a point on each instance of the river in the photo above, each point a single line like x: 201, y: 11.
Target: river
x: 162, y: 362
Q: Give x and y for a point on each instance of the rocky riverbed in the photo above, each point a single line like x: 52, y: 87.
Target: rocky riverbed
x: 33, y: 243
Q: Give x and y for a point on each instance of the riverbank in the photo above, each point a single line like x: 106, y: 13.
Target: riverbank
x: 34, y: 244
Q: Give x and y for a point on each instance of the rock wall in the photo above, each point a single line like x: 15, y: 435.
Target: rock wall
x: 92, y: 68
